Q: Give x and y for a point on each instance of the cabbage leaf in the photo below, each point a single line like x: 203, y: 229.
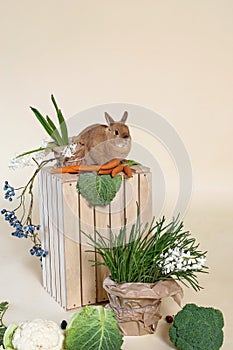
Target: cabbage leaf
x: 98, y: 189
x: 3, y: 308
x: 93, y: 328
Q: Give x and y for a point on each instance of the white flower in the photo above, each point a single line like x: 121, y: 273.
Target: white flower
x: 201, y: 260
x: 44, y: 143
x: 175, y: 260
x: 179, y: 266
x: 69, y: 150
x: 186, y: 255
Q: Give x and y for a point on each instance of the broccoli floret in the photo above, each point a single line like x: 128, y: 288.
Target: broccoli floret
x: 197, y: 328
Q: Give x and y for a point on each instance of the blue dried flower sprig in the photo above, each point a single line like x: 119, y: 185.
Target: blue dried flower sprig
x: 25, y: 231
x: 10, y: 191
x: 23, y: 227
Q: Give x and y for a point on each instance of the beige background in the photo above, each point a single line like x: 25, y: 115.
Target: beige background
x: 174, y: 57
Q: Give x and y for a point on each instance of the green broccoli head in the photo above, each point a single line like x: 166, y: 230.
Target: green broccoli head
x: 197, y: 328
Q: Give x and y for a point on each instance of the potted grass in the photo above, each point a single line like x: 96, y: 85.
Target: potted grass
x: 144, y: 266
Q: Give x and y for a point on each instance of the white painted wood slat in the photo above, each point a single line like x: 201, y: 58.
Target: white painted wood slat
x: 68, y: 275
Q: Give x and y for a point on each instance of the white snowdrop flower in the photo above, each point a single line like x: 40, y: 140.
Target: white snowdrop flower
x: 181, y: 260
x: 179, y: 266
x: 199, y: 266
x: 69, y: 150
x: 73, y: 147
x: 201, y: 260
x: 44, y: 143
x: 176, y: 251
x: 195, y: 266
x: 187, y: 255
x: 176, y: 260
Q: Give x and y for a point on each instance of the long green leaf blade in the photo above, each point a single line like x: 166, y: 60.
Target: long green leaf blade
x: 42, y: 120
x: 55, y: 131
x: 35, y: 150
x: 62, y: 122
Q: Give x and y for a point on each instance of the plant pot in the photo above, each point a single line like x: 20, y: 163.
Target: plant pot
x: 137, y: 305
x: 61, y: 160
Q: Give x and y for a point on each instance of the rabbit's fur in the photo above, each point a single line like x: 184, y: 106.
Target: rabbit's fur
x: 97, y: 144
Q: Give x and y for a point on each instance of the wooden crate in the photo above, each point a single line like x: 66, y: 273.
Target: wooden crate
x: 68, y: 275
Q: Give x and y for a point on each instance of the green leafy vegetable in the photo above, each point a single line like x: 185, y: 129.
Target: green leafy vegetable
x: 8, y: 336
x: 93, y: 328
x: 196, y: 327
x: 3, y: 308
x: 98, y: 189
x: 130, y: 162
x: 2, y: 332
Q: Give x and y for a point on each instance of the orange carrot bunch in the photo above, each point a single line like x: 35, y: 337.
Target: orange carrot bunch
x: 112, y: 168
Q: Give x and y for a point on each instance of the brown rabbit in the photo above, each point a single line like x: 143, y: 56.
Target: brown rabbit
x: 97, y: 144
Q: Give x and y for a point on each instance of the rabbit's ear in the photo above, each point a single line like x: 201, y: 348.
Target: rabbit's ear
x: 108, y: 118
x: 124, y: 117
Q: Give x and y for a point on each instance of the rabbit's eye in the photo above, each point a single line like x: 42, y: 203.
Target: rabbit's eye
x: 116, y: 132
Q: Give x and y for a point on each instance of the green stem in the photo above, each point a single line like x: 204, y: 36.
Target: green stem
x: 37, y: 150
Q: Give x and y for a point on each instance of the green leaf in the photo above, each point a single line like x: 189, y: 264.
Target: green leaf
x: 56, y: 134
x: 130, y: 162
x: 93, y: 328
x: 98, y: 189
x: 2, y: 332
x: 43, y: 121
x: 62, y: 123
x: 3, y: 308
x: 36, y: 150
x: 51, y: 123
x: 134, y: 255
x: 8, y: 336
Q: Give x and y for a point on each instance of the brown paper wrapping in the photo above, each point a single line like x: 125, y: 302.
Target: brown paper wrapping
x: 137, y: 305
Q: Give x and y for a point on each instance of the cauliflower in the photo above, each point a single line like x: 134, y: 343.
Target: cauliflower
x: 37, y: 335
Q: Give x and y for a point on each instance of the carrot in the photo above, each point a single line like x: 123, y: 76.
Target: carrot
x: 112, y: 164
x: 127, y: 170
x: 76, y: 168
x: 105, y: 171
x: 117, y: 170
x: 87, y: 167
